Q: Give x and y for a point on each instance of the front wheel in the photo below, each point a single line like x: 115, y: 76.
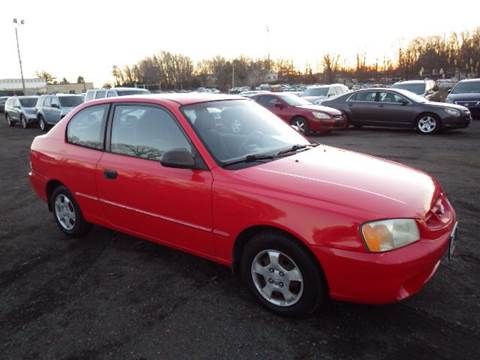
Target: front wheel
x: 23, y: 121
x: 10, y: 122
x: 301, y: 124
x: 42, y: 124
x: 282, y: 275
x: 428, y: 124
x: 67, y: 213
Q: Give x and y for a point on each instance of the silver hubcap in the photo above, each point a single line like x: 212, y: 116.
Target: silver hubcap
x: 277, y: 278
x: 300, y: 124
x: 65, y: 212
x: 42, y: 124
x: 427, y: 124
x: 24, y: 123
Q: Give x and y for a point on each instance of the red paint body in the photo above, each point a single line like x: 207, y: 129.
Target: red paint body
x: 320, y: 196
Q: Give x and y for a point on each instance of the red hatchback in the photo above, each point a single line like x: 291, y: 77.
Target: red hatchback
x: 221, y: 177
x: 308, y: 118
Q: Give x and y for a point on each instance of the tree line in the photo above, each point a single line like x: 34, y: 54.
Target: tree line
x: 455, y: 55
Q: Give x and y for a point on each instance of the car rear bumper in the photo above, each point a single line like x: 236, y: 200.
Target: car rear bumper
x: 39, y: 184
x: 380, y: 278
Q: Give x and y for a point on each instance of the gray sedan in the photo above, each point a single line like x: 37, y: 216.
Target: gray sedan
x: 401, y: 109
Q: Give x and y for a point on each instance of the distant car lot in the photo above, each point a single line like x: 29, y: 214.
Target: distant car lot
x: 115, y: 296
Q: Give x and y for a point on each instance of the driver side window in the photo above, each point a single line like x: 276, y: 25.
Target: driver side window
x: 146, y: 132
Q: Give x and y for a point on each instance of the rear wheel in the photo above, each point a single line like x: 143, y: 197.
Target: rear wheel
x: 67, y: 213
x: 428, y: 124
x: 282, y: 275
x: 301, y: 124
x: 42, y: 124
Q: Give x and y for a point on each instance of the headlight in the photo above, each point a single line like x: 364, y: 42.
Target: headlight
x: 453, y: 112
x: 321, y: 115
x: 387, y: 235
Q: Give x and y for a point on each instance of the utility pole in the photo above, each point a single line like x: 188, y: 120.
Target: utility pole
x: 17, y: 23
x: 233, y: 74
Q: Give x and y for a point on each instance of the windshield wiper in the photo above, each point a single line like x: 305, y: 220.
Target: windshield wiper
x: 250, y: 158
x: 295, y: 148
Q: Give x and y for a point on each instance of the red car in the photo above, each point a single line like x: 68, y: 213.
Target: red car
x: 308, y: 118
x: 298, y: 221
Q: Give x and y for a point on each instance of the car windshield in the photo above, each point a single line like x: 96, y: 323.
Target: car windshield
x: 468, y: 87
x: 235, y: 129
x: 323, y: 91
x: 28, y: 102
x: 412, y: 96
x: 132, y: 92
x: 70, y: 101
x: 293, y: 100
x: 418, y: 89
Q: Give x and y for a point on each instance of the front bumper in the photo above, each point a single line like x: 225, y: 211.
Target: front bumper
x: 318, y: 125
x: 380, y: 278
x: 457, y: 122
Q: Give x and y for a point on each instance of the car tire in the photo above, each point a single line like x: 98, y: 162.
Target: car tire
x: 10, y: 122
x: 302, y: 124
x: 67, y: 213
x: 291, y: 285
x: 41, y: 123
x: 428, y: 124
x: 23, y: 121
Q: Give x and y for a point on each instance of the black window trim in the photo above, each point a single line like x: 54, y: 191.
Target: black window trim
x: 349, y: 99
x: 105, y: 118
x: 200, y: 162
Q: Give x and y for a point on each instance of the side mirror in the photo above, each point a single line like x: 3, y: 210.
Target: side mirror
x: 449, y: 90
x: 403, y: 102
x: 178, y: 158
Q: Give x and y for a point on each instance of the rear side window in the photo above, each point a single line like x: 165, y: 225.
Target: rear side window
x: 363, y: 96
x: 86, y: 128
x: 146, y: 132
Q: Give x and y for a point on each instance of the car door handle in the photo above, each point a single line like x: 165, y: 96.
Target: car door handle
x: 110, y: 174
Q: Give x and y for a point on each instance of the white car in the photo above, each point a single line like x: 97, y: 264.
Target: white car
x: 318, y: 93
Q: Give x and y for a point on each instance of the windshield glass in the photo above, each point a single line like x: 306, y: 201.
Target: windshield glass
x: 470, y: 87
x: 293, y: 100
x: 234, y: 129
x: 410, y: 95
x: 132, y: 92
x: 323, y: 91
x: 70, y: 101
x: 28, y: 102
x: 418, y: 89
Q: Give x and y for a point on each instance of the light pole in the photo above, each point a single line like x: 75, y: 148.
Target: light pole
x: 18, y: 23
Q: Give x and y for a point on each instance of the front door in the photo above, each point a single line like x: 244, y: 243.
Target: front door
x: 144, y: 198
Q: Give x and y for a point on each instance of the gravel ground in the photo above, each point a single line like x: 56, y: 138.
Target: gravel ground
x: 112, y: 296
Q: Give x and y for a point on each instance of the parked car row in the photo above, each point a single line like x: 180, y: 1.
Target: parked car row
x: 47, y: 110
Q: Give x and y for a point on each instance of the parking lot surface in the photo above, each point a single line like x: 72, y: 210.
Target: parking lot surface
x: 112, y: 296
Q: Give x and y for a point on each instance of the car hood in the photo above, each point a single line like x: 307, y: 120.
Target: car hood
x: 446, y: 105
x: 357, y: 184
x: 325, y: 109
x: 467, y: 97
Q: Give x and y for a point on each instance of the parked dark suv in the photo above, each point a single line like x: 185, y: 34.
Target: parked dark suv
x: 467, y: 93
x: 52, y: 108
x: 21, y: 109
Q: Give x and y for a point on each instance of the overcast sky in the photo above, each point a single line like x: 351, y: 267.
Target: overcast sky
x: 71, y: 38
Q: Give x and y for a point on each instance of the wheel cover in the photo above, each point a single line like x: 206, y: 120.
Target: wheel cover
x: 65, y: 212
x: 24, y: 123
x: 42, y: 124
x: 300, y: 124
x: 427, y: 124
x: 277, y: 278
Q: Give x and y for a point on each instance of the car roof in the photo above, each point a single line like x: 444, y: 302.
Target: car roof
x: 180, y: 98
x: 470, y: 80
x: 412, y: 82
x: 126, y: 88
